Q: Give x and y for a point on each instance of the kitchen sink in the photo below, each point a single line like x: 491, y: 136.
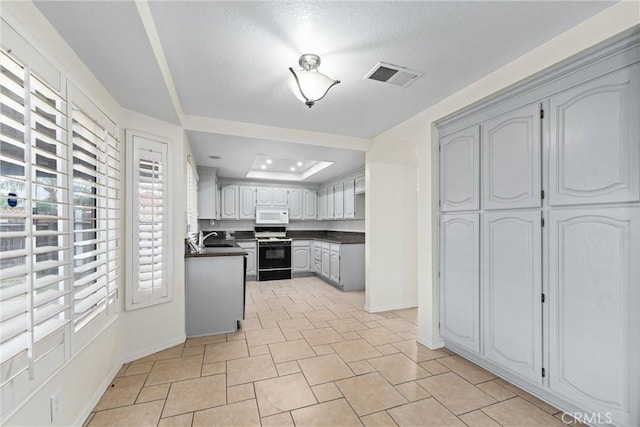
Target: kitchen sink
x: 220, y: 245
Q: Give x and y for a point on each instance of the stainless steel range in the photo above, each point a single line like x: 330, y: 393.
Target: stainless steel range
x: 274, y: 253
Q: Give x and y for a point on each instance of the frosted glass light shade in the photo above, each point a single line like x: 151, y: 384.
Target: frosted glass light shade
x: 310, y: 86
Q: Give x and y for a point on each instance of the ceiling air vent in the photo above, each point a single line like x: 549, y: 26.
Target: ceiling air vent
x: 393, y: 74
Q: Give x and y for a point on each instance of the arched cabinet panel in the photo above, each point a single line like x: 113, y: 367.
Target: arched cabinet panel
x: 460, y: 280
x: 460, y: 171
x: 511, y: 160
x: 594, y: 290
x: 594, y: 146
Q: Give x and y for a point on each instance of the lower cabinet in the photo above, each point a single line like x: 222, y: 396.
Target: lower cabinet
x: 300, y: 256
x: 594, y: 290
x: 334, y: 264
x: 341, y: 265
x: 250, y: 248
x: 512, y: 289
x: 326, y: 263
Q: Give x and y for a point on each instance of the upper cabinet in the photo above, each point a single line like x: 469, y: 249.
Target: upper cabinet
x: 295, y: 203
x: 330, y: 203
x: 511, y: 160
x: 272, y: 196
x: 338, y: 201
x: 349, y: 199
x: 593, y: 149
x: 460, y: 170
x: 207, y: 194
x: 360, y: 185
x: 247, y: 204
x: 322, y: 203
x: 310, y: 201
x: 229, y: 195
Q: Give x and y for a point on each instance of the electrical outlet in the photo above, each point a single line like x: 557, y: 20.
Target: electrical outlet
x: 55, y: 402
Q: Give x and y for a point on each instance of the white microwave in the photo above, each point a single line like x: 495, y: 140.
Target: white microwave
x: 272, y: 216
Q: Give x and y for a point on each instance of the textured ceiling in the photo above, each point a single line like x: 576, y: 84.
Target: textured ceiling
x: 229, y: 59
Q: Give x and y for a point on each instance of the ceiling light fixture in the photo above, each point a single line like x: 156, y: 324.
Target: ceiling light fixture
x: 311, y: 84
x: 293, y: 169
x: 269, y: 161
x: 263, y: 167
x: 299, y: 164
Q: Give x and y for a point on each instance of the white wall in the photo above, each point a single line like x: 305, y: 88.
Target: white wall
x: 153, y: 328
x: 419, y: 130
x: 390, y: 205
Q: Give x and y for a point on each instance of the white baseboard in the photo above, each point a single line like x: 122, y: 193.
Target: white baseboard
x: 93, y: 401
x: 432, y: 345
x: 400, y: 306
x: 156, y: 348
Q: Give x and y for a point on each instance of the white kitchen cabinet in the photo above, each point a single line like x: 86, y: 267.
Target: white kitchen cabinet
x: 360, y: 185
x: 330, y: 203
x: 247, y: 203
x: 349, y: 199
x: 460, y: 279
x: 264, y: 196
x: 511, y: 289
x: 511, y: 160
x: 322, y: 203
x: 326, y: 263
x: 272, y: 197
x: 301, y: 256
x: 593, y: 149
x: 334, y: 269
x: 460, y: 171
x: 338, y: 201
x: 594, y: 290
x: 207, y: 194
x: 229, y: 205
x: 250, y: 247
x: 279, y: 197
x: 310, y: 202
x: 295, y: 203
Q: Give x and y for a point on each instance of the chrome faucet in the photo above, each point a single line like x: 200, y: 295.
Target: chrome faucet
x: 202, y: 238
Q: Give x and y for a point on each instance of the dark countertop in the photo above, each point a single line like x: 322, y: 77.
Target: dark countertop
x: 343, y: 237
x: 234, y: 250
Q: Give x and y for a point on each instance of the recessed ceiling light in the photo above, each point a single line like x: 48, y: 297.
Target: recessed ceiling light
x: 263, y: 167
x: 299, y: 164
x: 269, y: 161
x: 293, y: 169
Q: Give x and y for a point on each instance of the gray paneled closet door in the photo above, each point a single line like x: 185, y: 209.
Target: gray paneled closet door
x: 511, y: 160
x: 460, y: 279
x: 511, y: 290
x: 594, y: 154
x: 460, y: 170
x: 593, y: 299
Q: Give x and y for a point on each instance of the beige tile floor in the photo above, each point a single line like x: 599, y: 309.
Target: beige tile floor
x: 309, y: 355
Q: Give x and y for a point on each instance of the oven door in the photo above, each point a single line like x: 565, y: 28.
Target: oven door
x: 274, y: 255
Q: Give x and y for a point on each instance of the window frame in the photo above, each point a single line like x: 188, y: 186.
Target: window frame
x: 137, y: 140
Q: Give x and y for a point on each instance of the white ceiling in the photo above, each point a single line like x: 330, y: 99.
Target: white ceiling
x: 229, y: 59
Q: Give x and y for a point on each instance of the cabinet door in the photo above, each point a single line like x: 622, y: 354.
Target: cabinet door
x: 593, y: 308
x: 511, y: 289
x: 338, y: 201
x: 322, y: 203
x: 310, y: 202
x: 247, y: 202
x: 206, y: 195
x: 330, y: 203
x: 460, y: 280
x: 279, y: 196
x: 251, y: 262
x: 349, y: 199
x: 334, y: 270
x: 594, y: 147
x: 326, y: 262
x: 301, y: 259
x: 295, y: 203
x: 360, y: 185
x: 460, y: 171
x: 263, y: 196
x: 511, y: 160
x: 229, y: 202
